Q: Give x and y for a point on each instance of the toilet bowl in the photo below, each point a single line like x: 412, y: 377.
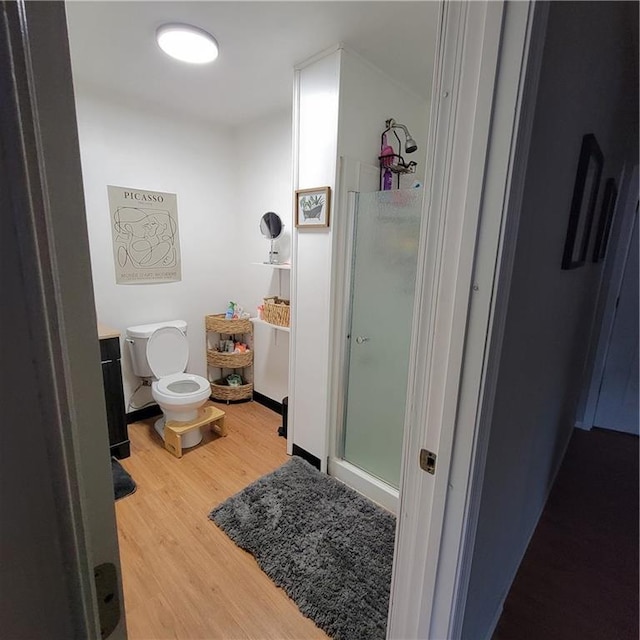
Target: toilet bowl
x: 180, y: 396
x: 162, y: 351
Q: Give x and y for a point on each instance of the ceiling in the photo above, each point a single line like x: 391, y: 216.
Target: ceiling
x: 113, y: 50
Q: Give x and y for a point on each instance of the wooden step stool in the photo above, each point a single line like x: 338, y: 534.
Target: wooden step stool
x: 173, y: 430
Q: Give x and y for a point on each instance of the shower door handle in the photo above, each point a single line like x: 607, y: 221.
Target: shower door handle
x: 361, y: 339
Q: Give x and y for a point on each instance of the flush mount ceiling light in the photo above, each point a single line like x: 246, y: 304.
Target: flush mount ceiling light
x: 187, y: 43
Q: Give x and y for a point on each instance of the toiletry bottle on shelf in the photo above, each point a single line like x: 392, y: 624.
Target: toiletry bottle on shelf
x: 386, y: 152
x: 387, y: 180
x: 386, y: 159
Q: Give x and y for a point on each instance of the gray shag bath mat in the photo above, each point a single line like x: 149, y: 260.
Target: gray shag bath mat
x: 328, y: 547
x: 123, y: 483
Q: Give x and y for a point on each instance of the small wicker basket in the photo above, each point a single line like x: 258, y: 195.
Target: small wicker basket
x: 219, y: 324
x: 229, y: 360
x: 222, y: 390
x: 276, y: 311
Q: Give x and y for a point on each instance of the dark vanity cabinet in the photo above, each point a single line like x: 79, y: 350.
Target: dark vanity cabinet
x: 114, y: 397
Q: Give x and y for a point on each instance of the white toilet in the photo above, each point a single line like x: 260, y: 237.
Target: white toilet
x: 160, y: 352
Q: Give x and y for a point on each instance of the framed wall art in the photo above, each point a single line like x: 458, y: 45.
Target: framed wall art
x: 144, y: 231
x: 583, y: 203
x: 606, y: 217
x: 312, y: 207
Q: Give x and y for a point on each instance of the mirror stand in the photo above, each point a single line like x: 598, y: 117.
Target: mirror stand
x: 273, y: 255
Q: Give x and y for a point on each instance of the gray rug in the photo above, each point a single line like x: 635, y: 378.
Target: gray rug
x: 329, y: 548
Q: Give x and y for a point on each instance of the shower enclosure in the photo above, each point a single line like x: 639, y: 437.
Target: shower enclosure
x: 386, y: 230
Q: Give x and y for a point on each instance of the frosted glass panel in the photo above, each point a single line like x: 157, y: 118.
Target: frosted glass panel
x: 387, y: 229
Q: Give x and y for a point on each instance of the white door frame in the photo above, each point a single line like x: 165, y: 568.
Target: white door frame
x: 485, y: 81
x: 43, y: 179
x: 465, y: 184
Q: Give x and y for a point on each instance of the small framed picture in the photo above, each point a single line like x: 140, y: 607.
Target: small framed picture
x: 312, y: 207
x: 583, y: 203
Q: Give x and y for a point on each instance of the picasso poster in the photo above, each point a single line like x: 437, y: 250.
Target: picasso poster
x: 144, y: 229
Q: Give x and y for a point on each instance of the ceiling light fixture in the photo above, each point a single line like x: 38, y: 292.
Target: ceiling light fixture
x: 187, y: 43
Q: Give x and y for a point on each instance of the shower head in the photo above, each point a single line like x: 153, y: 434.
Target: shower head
x: 410, y: 144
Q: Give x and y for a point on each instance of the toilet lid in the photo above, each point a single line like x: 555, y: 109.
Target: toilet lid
x: 167, y: 351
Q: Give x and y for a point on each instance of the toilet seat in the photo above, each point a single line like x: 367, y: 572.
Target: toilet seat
x: 167, y: 354
x: 181, y: 388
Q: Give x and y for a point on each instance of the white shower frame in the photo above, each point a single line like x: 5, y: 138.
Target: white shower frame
x: 350, y: 174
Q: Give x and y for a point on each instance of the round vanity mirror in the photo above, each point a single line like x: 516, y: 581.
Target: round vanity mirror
x: 271, y: 226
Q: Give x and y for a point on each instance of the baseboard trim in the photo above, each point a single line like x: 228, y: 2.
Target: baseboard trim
x: 151, y: 411
x: 305, y: 455
x: 265, y: 401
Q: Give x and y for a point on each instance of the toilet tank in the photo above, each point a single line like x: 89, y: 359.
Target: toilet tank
x: 137, y: 338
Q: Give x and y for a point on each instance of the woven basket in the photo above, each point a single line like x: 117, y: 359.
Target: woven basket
x: 218, y: 324
x: 276, y: 311
x: 220, y: 390
x: 229, y: 360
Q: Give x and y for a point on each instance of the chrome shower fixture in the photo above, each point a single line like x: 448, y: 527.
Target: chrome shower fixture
x: 410, y: 144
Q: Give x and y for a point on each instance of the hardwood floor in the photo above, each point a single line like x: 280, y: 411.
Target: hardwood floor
x: 579, y: 576
x: 183, y: 578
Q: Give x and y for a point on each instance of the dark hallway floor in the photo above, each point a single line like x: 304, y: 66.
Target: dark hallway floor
x: 579, y: 576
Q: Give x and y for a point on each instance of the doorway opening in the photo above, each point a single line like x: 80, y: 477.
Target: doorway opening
x: 228, y: 161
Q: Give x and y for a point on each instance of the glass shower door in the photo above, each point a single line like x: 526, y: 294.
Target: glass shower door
x: 387, y: 225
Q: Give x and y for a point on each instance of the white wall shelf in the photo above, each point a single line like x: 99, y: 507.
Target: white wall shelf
x: 268, y: 324
x: 273, y: 266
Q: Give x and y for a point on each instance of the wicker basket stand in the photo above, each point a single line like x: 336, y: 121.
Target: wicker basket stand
x: 221, y: 364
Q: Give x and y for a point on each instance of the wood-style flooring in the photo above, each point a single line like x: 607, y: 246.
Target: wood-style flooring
x: 183, y: 578
x: 579, y: 577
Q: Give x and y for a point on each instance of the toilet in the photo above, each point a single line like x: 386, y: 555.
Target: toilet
x: 160, y: 352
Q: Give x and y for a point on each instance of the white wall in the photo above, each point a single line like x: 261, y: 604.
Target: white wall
x: 368, y: 97
x: 263, y: 183
x: 132, y: 146
x: 311, y: 287
x: 588, y: 84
